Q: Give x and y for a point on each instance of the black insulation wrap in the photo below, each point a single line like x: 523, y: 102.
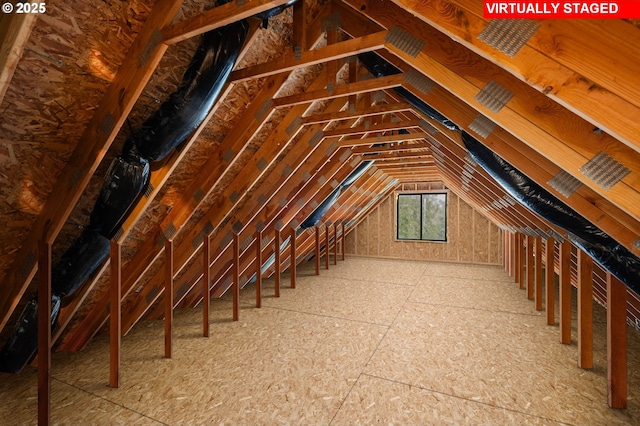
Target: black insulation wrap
x: 79, y: 262
x: 603, y: 249
x: 123, y: 185
x: 23, y: 343
x: 202, y: 83
x: 380, y: 67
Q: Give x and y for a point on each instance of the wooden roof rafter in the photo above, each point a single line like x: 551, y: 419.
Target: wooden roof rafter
x: 569, y: 146
x: 598, y: 83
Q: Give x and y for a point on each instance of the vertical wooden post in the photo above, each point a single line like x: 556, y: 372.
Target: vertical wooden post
x: 342, y: 237
x: 299, y: 27
x: 523, y: 260
x: 585, y: 310
x: 505, y: 247
x: 550, y: 285
x: 168, y: 298
x: 517, y: 259
x: 326, y: 246
x: 317, y: 250
x: 538, y: 273
x: 236, y: 277
x: 530, y: 266
x: 508, y: 253
x: 258, y: 269
x: 206, y: 279
x: 277, y: 261
x: 513, y: 256
x: 115, y: 315
x: 335, y: 244
x: 616, y: 343
x: 44, y: 333
x: 294, y: 257
x: 565, y: 292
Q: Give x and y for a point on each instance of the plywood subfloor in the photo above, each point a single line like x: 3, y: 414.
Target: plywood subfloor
x: 369, y: 341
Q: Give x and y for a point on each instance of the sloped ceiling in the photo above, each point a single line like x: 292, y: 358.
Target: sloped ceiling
x: 296, y: 117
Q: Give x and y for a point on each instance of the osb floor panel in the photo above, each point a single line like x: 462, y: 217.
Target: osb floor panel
x: 369, y: 341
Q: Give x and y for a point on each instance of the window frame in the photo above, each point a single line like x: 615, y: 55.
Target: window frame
x: 421, y: 193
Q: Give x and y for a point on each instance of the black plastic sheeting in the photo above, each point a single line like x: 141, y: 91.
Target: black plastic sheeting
x: 123, y: 185
x: 128, y: 176
x: 317, y: 214
x: 188, y: 106
x: 603, y: 249
x: 24, y: 339
x: 79, y: 262
x: 380, y: 67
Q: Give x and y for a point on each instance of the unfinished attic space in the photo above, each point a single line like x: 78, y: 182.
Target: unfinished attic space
x: 317, y: 212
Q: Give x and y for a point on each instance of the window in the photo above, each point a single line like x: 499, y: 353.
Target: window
x: 422, y: 217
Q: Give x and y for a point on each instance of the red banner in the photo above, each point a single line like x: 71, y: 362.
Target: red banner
x: 617, y: 9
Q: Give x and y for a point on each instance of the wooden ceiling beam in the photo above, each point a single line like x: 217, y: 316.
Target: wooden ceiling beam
x: 404, y: 156
x: 130, y: 80
x: 331, y: 52
x: 383, y: 139
x: 424, y: 146
x: 371, y: 85
x: 217, y: 17
x: 374, y: 127
x: 590, y: 67
x: 358, y: 112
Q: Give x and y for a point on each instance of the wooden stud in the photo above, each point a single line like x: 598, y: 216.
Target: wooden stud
x: 616, y: 343
x: 335, y: 244
x: 530, y: 267
x: 236, y: 277
x: 516, y: 258
x: 44, y: 333
x: 512, y: 256
x: 326, y: 246
x: 523, y: 260
x: 300, y: 26
x: 317, y: 250
x: 565, y: 292
x: 585, y: 310
x: 258, y: 269
x: 115, y: 315
x: 294, y: 257
x: 343, y: 238
x: 278, y: 260
x: 206, y: 282
x: 168, y: 299
x: 538, y: 273
x: 550, y: 285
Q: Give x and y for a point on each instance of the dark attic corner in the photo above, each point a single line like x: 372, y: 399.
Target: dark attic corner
x: 161, y: 158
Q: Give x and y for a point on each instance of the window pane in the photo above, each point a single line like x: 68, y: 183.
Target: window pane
x: 434, y: 217
x: 409, y: 217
